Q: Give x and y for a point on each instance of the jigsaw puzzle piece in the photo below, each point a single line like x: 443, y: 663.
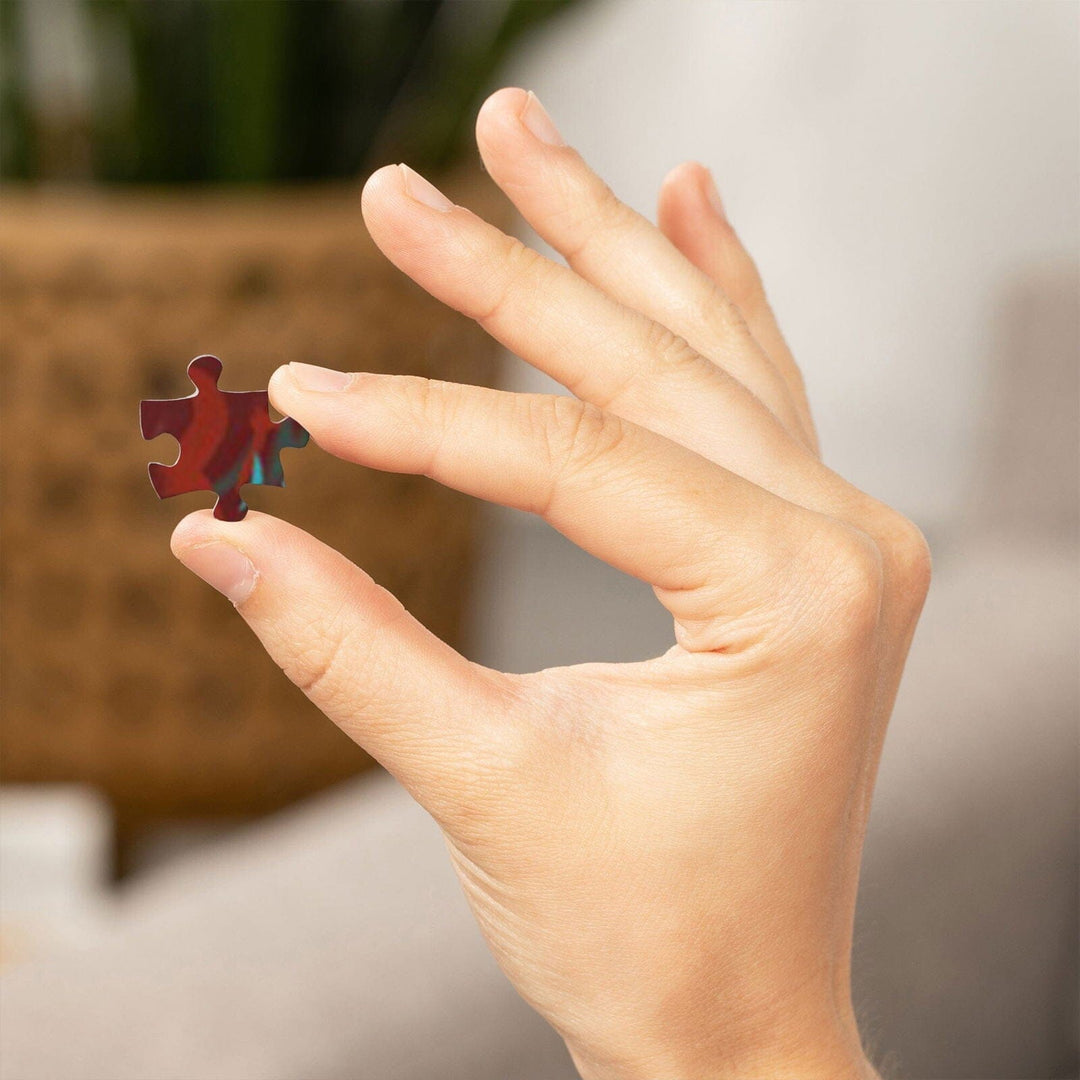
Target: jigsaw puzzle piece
x: 270, y: 440
x: 230, y: 506
x: 169, y: 481
x: 227, y: 440
x: 164, y: 417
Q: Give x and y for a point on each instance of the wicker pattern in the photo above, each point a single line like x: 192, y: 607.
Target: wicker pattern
x: 119, y: 667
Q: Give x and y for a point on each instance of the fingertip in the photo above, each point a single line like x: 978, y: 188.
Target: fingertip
x: 201, y: 527
x: 499, y: 132
x: 198, y: 542
x: 397, y: 205
x: 195, y: 529
x: 380, y: 177
x: 507, y: 102
x: 685, y: 174
x: 381, y: 184
x: 381, y: 205
x: 690, y: 187
x: 280, y: 389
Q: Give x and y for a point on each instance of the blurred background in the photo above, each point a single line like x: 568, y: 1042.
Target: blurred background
x: 200, y: 877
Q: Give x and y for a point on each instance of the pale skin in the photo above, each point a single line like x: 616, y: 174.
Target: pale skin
x: 663, y: 856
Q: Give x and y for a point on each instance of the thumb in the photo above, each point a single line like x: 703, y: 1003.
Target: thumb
x: 436, y: 721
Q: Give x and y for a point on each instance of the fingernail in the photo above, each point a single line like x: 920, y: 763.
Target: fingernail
x: 313, y: 377
x: 224, y: 567
x: 713, y: 195
x: 535, y: 117
x: 424, y: 191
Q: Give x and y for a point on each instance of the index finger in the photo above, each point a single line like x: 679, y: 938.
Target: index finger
x: 715, y: 545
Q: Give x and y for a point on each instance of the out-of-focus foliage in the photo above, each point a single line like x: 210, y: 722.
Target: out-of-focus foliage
x: 186, y: 91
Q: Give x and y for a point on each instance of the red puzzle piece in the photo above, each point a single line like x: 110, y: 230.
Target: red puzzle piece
x: 226, y: 440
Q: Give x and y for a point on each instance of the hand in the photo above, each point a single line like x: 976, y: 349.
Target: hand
x: 663, y: 856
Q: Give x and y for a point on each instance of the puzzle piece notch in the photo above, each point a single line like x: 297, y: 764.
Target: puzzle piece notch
x: 227, y: 440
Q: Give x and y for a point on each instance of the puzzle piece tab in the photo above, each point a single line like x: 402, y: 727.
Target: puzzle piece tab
x: 226, y: 440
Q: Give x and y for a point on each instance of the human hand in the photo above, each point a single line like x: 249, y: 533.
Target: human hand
x: 663, y: 856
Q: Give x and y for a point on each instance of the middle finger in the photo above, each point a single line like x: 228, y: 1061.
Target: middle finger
x: 605, y: 353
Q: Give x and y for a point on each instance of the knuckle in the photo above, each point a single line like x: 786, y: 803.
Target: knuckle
x: 848, y: 568
x: 520, y: 263
x: 724, y: 314
x: 607, y: 208
x: 520, y: 259
x: 312, y: 668
x: 743, y: 285
x: 598, y: 214
x: 668, y: 352
x: 908, y: 559
x: 575, y: 434
x: 336, y: 661
x: 426, y: 406
x: 411, y: 398
x: 314, y: 663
